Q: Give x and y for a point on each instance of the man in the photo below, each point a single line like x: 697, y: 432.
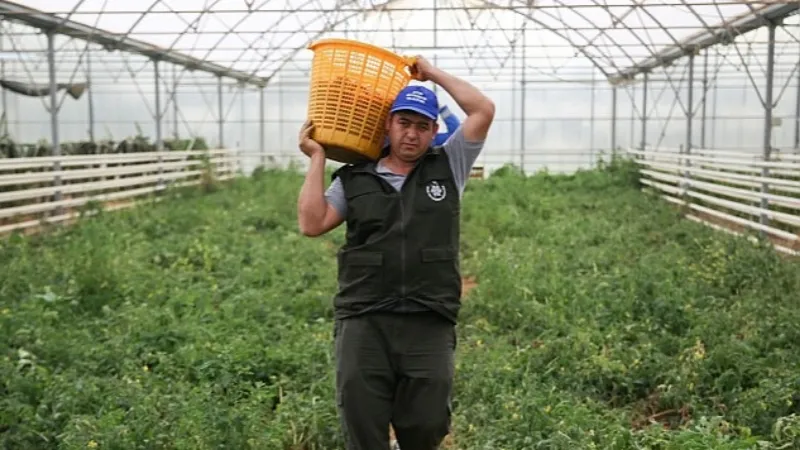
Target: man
x: 399, y: 281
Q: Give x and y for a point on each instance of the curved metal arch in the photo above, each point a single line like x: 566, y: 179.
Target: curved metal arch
x: 616, y: 19
x: 582, y: 43
x: 250, y: 46
x: 590, y: 42
x: 232, y: 31
x: 330, y: 27
x: 580, y: 48
x: 602, y: 31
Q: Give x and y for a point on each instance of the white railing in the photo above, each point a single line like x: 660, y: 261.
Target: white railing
x: 52, y: 189
x: 730, y: 191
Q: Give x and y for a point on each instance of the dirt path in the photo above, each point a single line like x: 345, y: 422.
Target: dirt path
x: 467, y: 284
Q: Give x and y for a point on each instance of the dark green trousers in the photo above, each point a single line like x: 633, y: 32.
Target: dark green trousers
x: 394, y: 369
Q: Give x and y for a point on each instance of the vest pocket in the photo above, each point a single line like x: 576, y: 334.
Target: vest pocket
x: 438, y: 279
x: 360, y: 273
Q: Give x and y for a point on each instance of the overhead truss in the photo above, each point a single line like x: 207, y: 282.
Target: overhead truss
x: 722, y: 33
x: 619, y: 38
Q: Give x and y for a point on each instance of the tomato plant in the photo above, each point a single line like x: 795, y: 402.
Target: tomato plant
x: 598, y: 318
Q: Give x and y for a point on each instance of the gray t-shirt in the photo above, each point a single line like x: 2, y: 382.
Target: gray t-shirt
x: 462, y: 155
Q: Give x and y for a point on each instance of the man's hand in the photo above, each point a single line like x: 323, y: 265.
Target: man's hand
x: 422, y: 68
x: 307, y: 145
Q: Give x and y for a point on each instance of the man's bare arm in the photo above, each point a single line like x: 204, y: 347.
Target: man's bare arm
x: 314, y: 215
x: 478, y: 107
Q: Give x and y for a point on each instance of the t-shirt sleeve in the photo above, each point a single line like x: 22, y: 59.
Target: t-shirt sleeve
x: 462, y: 155
x: 335, y: 196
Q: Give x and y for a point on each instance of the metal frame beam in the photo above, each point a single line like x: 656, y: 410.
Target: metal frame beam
x: 114, y: 41
x: 719, y: 34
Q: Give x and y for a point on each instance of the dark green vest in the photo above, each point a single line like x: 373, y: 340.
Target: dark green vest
x: 402, y: 248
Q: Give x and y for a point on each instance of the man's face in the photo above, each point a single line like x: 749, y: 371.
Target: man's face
x: 410, y: 134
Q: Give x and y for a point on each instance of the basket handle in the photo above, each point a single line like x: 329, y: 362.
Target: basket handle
x: 411, y: 61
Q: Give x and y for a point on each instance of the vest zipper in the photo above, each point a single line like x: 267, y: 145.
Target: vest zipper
x: 402, y: 225
x: 402, y: 249
x: 403, y: 229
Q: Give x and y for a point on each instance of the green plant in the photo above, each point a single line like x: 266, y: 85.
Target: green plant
x: 600, y: 319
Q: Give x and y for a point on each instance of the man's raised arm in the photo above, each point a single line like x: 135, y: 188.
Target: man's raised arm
x: 478, y: 107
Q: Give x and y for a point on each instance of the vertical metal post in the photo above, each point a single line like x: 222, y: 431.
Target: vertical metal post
x: 435, y: 41
x: 174, y: 94
x: 281, y: 121
x: 90, y: 94
x: 768, y: 105
x: 240, y: 143
x: 591, y: 124
x: 614, y: 120
x: 240, y: 147
x: 514, y: 109
x: 797, y: 113
x: 644, y: 111
x: 221, y: 121
x: 705, y: 100
x: 157, y: 86
x: 689, y: 112
x: 159, y: 139
x: 714, y: 108
x: 261, y: 147
x: 523, y: 87
x: 631, y: 126
x: 56, y: 143
x: 3, y: 91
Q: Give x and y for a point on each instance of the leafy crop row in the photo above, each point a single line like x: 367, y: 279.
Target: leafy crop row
x: 134, y: 144
x: 600, y: 320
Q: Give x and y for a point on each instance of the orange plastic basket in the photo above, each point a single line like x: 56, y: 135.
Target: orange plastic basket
x: 353, y: 86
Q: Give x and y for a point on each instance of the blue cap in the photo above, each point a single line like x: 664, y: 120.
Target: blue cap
x: 418, y: 99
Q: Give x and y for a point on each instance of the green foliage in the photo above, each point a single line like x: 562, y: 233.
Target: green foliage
x: 134, y: 144
x: 601, y: 320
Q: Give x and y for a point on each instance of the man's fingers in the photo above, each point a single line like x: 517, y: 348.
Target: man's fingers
x: 305, y: 132
x: 307, y: 127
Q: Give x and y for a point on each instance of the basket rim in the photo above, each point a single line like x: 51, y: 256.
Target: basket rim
x: 333, y: 41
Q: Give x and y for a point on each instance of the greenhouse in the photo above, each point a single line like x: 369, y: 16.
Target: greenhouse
x: 629, y: 230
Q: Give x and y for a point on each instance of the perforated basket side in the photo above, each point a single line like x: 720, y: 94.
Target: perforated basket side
x: 352, y: 89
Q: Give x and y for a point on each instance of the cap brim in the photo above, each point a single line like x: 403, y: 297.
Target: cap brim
x: 414, y: 109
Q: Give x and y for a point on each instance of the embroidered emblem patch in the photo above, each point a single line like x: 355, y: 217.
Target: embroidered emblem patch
x: 436, y: 191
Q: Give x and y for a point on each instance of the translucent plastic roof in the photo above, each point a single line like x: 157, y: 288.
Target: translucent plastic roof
x: 261, y: 37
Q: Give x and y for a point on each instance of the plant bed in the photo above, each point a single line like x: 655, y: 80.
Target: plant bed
x: 601, y: 319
